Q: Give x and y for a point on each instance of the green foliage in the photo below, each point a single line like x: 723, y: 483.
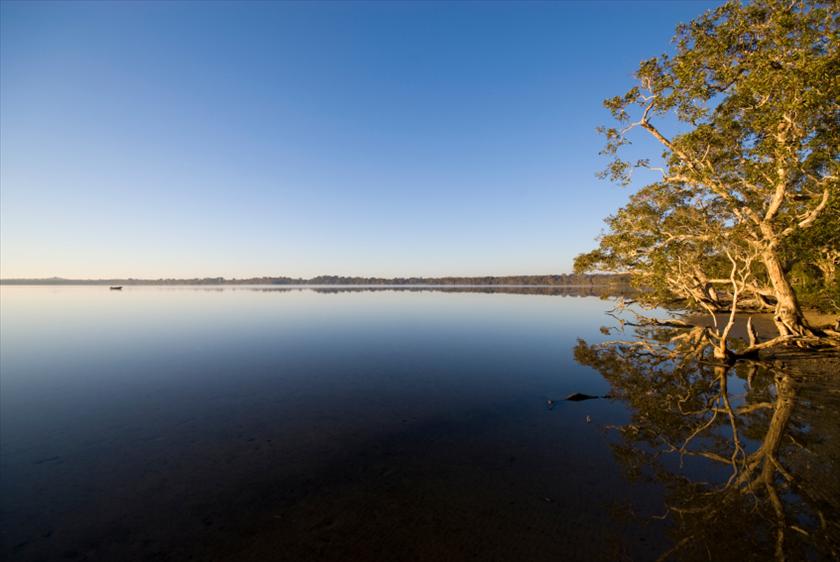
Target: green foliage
x: 813, y: 255
x: 750, y: 177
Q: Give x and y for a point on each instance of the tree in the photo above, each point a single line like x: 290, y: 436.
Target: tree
x: 752, y: 95
x: 813, y: 255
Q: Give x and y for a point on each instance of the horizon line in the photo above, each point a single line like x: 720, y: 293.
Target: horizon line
x: 305, y: 279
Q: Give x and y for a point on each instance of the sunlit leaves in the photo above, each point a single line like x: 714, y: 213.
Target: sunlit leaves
x: 754, y: 88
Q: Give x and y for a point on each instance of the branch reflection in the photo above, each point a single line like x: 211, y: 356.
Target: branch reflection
x: 747, y: 453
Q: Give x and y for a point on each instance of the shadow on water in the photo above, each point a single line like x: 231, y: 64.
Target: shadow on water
x: 748, y: 454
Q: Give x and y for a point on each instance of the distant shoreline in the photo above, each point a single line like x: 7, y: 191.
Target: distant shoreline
x: 543, y: 281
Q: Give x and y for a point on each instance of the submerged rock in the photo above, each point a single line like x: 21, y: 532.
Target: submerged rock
x: 577, y: 397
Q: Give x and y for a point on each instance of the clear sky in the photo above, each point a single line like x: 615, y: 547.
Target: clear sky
x: 162, y: 139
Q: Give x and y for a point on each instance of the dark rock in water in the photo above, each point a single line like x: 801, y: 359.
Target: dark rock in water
x: 577, y: 397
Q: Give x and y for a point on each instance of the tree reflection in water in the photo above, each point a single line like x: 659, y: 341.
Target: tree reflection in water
x: 747, y: 452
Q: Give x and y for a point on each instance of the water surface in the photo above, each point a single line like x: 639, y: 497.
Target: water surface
x: 245, y: 423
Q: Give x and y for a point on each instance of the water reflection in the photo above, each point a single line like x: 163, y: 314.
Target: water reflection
x: 196, y: 423
x: 602, y: 291
x: 747, y: 454
x: 176, y: 423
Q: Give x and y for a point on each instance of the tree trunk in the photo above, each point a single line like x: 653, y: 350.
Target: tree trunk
x: 788, y: 316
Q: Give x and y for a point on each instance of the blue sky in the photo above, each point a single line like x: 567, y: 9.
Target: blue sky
x: 190, y: 139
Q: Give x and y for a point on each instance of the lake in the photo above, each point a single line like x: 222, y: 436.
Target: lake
x: 256, y: 423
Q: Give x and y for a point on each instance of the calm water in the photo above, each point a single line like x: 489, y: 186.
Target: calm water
x: 257, y: 424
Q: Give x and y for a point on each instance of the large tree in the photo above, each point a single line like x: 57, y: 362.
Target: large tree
x: 746, y: 113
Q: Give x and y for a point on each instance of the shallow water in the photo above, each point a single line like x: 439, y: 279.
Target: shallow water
x: 240, y: 423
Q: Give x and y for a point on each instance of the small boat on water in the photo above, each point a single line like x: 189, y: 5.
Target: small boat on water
x: 117, y: 288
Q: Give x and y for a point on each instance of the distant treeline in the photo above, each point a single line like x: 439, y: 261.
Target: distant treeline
x: 567, y: 280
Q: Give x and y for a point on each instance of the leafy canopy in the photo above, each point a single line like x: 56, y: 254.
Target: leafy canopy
x: 754, y: 90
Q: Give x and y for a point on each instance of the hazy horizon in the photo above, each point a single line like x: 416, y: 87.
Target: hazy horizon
x: 187, y: 140
x: 281, y: 276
